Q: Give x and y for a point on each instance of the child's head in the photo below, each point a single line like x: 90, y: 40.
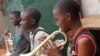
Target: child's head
x: 66, y: 12
x: 15, y: 17
x: 30, y: 18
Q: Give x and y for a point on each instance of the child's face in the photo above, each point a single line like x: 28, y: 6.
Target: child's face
x: 14, y: 19
x: 61, y: 19
x: 26, y: 21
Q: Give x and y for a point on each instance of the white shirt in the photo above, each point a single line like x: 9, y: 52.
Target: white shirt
x: 36, y: 38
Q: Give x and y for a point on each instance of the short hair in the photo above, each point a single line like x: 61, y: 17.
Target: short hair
x: 68, y: 6
x: 34, y: 14
x: 16, y: 13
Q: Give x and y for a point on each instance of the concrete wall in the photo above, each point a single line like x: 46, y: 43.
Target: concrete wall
x: 90, y: 7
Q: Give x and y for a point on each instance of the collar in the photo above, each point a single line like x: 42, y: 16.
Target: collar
x: 32, y: 33
x: 76, y: 33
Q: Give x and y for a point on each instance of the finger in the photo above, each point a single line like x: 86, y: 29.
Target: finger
x: 45, y: 52
x: 53, y: 44
x: 42, y: 38
x: 46, y: 47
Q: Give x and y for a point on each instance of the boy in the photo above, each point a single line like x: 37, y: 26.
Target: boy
x: 81, y: 42
x: 30, y: 23
x: 15, y: 20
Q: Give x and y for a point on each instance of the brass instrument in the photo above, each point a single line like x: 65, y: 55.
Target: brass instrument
x: 58, y: 43
x: 9, y: 43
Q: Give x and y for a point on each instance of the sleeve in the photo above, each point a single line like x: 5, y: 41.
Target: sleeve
x: 45, y: 34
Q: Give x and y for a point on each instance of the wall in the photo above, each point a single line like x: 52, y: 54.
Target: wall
x: 45, y: 6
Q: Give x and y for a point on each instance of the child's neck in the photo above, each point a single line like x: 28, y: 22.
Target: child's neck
x: 33, y: 29
x: 74, y: 28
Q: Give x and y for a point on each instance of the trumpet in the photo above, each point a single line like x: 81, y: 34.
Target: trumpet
x: 58, y: 43
x: 9, y: 43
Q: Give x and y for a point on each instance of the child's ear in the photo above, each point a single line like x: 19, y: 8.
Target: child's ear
x: 68, y: 16
x: 33, y: 21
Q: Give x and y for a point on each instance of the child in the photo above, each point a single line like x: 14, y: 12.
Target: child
x: 30, y: 23
x: 15, y: 20
x: 81, y: 42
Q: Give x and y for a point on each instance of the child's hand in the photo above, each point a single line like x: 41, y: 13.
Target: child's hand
x: 42, y: 38
x: 52, y: 51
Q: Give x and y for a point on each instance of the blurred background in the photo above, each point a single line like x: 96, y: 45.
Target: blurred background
x: 88, y: 8
x: 44, y: 6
